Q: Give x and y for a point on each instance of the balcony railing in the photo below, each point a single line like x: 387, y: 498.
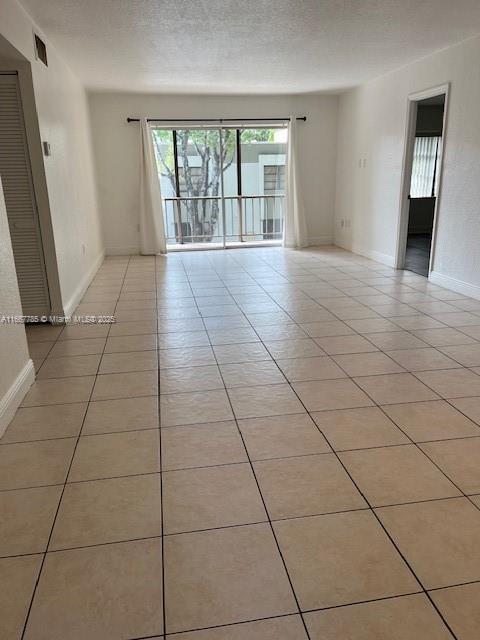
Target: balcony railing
x: 232, y: 219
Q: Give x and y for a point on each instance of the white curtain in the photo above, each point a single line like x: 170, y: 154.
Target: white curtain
x: 294, y: 227
x: 152, y: 229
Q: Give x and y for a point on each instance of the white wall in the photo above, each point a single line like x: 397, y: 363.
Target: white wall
x: 63, y: 119
x: 16, y: 371
x: 371, y: 127
x: 116, y: 148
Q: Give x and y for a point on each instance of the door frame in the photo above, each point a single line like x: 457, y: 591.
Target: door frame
x: 36, y: 159
x: 404, y: 205
x: 221, y: 127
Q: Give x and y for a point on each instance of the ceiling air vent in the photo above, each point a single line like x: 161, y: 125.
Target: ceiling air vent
x: 40, y: 50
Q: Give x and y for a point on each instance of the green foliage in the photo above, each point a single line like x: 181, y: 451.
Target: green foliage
x: 256, y: 135
x: 165, y: 157
x: 210, y: 138
x: 203, y: 144
x: 205, y: 141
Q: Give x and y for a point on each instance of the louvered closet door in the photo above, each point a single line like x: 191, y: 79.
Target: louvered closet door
x: 22, y: 213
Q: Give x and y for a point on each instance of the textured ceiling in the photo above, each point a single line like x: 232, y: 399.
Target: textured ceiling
x: 247, y: 46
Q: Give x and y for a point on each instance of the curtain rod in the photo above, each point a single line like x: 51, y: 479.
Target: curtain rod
x: 304, y: 118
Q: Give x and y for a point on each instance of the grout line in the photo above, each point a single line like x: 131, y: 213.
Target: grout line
x: 227, y: 625
x: 288, y: 283
x: 323, y: 411
x: 162, y: 515
x: 229, y: 464
x: 417, y: 443
x: 374, y: 512
x: 56, y: 512
x: 84, y: 546
x: 264, y: 504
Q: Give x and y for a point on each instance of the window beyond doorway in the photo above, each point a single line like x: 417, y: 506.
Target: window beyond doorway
x: 222, y: 185
x: 426, y: 153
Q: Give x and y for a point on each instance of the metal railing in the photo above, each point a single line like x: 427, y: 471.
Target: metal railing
x: 230, y: 219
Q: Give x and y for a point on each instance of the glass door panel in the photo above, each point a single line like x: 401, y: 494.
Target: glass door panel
x: 230, y: 185
x: 263, y: 154
x: 200, y: 185
x: 221, y: 186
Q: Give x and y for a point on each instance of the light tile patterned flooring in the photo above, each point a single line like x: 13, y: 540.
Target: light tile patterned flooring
x: 316, y: 473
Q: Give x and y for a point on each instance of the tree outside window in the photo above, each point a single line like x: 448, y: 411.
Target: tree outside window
x: 200, y: 164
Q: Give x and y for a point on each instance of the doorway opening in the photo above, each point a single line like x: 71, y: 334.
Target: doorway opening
x: 422, y: 179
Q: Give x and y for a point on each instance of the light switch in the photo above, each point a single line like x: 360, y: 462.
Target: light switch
x: 46, y: 148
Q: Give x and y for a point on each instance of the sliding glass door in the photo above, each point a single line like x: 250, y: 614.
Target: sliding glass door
x: 263, y: 153
x: 221, y: 186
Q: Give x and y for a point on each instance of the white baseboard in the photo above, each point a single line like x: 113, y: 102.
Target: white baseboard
x: 314, y: 241
x: 318, y: 241
x: 122, y: 251
x: 15, y: 394
x: 459, y: 286
x: 383, y: 258
x: 70, y: 306
x: 343, y: 244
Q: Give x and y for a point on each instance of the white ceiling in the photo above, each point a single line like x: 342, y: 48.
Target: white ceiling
x: 247, y: 46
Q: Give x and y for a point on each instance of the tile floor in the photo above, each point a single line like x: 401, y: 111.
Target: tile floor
x: 267, y: 444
